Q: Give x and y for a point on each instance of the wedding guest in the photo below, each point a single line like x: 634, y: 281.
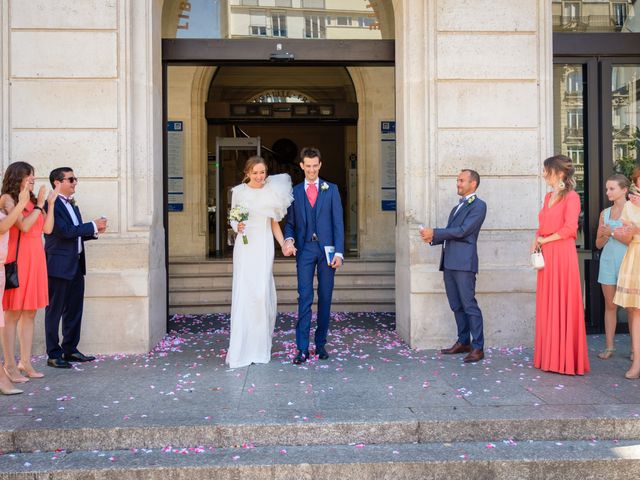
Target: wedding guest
x: 560, y: 337
x: 613, y: 250
x: 20, y: 304
x: 9, y: 213
x: 253, y: 298
x: 628, y: 288
x: 459, y: 264
x: 66, y: 268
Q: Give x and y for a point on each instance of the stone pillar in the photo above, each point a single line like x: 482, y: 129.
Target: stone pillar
x: 81, y: 87
x: 473, y: 84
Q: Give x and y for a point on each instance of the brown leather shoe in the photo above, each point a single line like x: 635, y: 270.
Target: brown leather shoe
x: 476, y: 355
x: 456, y: 348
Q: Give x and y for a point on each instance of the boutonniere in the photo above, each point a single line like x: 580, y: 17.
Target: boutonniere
x: 324, y: 186
x: 72, y: 201
x: 471, y: 200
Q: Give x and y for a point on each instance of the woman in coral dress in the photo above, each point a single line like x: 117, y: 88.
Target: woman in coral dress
x: 628, y: 288
x: 20, y: 304
x: 8, y: 217
x: 560, y: 339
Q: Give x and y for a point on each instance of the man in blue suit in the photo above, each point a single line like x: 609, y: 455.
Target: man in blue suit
x: 314, y: 221
x: 459, y: 262
x: 66, y: 268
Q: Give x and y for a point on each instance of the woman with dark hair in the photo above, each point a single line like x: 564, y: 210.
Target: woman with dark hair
x: 257, y: 205
x: 20, y: 304
x: 613, y: 251
x: 628, y: 288
x: 9, y: 213
x: 560, y: 338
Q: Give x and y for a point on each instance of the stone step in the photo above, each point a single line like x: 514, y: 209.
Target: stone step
x: 190, y: 266
x: 503, y: 460
x: 285, y: 295
x: 226, y: 429
x: 220, y: 280
x: 291, y: 306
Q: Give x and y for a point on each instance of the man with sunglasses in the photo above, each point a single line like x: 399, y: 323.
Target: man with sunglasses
x: 66, y: 269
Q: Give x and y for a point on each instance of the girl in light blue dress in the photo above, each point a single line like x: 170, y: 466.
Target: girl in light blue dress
x: 613, y: 251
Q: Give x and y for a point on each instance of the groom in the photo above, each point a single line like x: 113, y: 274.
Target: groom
x: 459, y: 262
x: 314, y: 221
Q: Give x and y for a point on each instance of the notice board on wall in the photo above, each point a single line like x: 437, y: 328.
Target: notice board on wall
x: 388, y: 165
x: 175, y: 166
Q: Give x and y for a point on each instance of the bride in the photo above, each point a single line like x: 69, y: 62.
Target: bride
x: 253, y: 301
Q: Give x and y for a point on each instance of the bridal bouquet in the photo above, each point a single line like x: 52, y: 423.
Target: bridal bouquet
x: 239, y: 214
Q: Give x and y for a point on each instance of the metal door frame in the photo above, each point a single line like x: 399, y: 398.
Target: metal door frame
x: 598, y: 52
x: 226, y: 144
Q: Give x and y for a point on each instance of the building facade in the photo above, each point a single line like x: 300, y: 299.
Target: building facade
x: 140, y: 96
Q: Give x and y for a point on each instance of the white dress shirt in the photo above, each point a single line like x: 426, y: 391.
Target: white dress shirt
x: 74, y: 219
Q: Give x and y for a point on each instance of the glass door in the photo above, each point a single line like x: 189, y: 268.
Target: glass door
x: 597, y: 125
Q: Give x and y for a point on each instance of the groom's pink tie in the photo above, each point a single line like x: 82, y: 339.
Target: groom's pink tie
x: 312, y: 194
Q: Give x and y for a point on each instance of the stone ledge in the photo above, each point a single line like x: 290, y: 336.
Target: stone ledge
x: 388, y: 426
x: 499, y: 460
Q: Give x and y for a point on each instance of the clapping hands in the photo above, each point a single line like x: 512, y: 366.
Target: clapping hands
x: 627, y: 230
x: 426, y: 234
x: 101, y: 224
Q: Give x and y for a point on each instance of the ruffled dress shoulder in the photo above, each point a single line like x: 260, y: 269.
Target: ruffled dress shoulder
x: 272, y: 200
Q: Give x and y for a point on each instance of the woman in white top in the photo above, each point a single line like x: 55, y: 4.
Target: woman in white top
x: 254, y: 302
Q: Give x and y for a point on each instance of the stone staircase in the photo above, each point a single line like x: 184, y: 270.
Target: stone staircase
x: 446, y: 442
x: 204, y: 286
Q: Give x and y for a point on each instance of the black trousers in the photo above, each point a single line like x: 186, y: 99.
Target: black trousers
x: 66, y: 299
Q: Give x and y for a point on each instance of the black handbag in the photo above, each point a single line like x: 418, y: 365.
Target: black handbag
x: 11, y: 270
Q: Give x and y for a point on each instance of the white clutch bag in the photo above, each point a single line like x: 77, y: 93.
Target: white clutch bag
x: 537, y: 260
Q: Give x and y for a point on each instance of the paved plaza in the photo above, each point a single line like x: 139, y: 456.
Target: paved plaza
x: 373, y: 390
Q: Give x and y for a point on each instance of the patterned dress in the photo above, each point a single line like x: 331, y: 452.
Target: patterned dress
x: 628, y: 288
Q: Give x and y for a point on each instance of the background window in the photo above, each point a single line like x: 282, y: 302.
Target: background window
x: 313, y: 4
x: 572, y: 10
x: 315, y: 26
x: 279, y: 24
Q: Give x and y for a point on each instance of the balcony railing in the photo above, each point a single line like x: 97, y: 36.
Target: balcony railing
x: 573, y: 132
x: 589, y: 23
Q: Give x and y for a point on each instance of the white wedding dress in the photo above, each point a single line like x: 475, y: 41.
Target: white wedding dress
x: 254, y: 302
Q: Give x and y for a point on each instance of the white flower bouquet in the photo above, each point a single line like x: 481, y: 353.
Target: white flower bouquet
x: 240, y: 214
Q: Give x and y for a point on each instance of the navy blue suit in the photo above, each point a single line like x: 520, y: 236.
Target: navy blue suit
x: 65, y: 269
x: 325, y: 220
x: 459, y: 262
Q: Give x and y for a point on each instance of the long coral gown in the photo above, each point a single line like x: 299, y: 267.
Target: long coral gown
x: 33, y: 290
x: 560, y: 340
x: 4, y: 247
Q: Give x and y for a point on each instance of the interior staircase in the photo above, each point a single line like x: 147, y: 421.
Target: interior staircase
x: 204, y: 286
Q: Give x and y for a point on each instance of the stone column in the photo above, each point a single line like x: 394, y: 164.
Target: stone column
x: 82, y: 88
x: 474, y: 91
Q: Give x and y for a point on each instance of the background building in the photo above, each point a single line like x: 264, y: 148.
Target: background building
x: 155, y: 104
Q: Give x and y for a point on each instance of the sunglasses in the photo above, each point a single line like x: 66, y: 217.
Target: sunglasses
x: 70, y: 179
